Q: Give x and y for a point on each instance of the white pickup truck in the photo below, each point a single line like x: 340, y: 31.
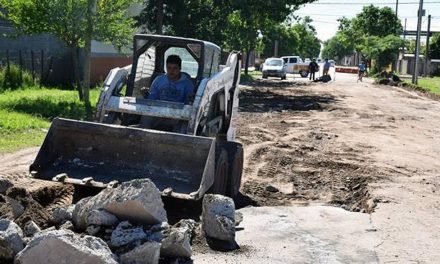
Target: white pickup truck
x: 295, y: 65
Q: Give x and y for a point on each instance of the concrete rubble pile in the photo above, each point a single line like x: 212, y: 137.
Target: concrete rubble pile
x: 127, y: 224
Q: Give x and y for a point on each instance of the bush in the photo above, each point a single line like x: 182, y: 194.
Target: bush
x: 10, y: 79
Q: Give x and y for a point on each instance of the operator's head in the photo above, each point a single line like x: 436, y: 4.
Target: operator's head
x: 314, y: 59
x: 326, y: 60
x: 174, y: 64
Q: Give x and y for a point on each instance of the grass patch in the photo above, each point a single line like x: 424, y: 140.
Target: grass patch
x: 431, y: 84
x: 25, y: 114
x: 250, y: 77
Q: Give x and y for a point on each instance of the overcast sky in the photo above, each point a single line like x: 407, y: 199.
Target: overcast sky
x: 326, y: 12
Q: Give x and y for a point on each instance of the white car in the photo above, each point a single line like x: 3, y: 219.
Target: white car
x: 274, y: 67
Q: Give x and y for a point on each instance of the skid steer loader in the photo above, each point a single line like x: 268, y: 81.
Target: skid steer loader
x: 185, y: 149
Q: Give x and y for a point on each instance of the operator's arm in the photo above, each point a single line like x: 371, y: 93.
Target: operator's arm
x: 189, y: 91
x: 154, y: 90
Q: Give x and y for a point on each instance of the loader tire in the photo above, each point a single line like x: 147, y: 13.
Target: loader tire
x: 221, y: 172
x: 236, y: 157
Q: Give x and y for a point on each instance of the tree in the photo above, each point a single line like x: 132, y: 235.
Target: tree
x: 200, y: 19
x: 338, y: 47
x: 77, y: 23
x: 376, y: 21
x: 374, y: 33
x: 309, y: 45
x: 434, y: 46
x: 233, y: 24
x: 382, y: 50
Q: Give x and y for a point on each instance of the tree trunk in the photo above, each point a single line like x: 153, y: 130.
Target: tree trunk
x: 75, y: 68
x: 159, y: 17
x: 87, y: 54
x: 246, y: 65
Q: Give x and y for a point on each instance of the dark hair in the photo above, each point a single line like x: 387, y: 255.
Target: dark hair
x: 174, y: 59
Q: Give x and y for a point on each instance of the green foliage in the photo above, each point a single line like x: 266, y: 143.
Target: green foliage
x: 233, y: 24
x: 337, y: 47
x: 201, y: 19
x: 25, y: 114
x: 308, y: 45
x: 376, y: 21
x: 382, y: 50
x: 10, y: 78
x: 67, y: 19
x: 434, y: 47
x: 374, y: 33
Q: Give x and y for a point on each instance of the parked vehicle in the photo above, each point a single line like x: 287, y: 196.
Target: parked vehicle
x: 295, y: 65
x: 274, y: 67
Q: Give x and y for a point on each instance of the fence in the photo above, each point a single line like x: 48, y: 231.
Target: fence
x: 45, y: 67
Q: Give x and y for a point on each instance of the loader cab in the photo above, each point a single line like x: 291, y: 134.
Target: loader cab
x: 200, y: 59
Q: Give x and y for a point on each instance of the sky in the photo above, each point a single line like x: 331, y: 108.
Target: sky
x: 326, y: 12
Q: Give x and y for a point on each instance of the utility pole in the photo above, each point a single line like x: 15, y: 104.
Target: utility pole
x: 428, y: 32
x: 416, y: 58
x: 397, y: 6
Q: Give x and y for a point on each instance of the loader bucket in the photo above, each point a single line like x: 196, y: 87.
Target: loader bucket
x: 96, y: 154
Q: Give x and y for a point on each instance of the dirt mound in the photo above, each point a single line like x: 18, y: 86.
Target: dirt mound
x: 21, y: 205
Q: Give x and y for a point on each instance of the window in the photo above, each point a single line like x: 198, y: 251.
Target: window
x: 189, y: 64
x: 293, y: 60
x: 286, y: 60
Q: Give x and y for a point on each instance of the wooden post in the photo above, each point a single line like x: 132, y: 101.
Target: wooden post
x: 20, y: 60
x: 33, y: 66
x: 49, y: 69
x: 42, y: 67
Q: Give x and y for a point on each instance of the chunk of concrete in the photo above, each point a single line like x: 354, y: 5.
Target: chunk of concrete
x: 147, y: 253
x: 176, y: 241
x: 62, y: 246
x: 11, y: 240
x: 138, y: 201
x: 125, y: 234
x: 68, y: 225
x: 101, y: 218
x: 93, y: 230
x: 218, y: 217
x: 5, y: 185
x: 31, y: 228
x: 62, y: 214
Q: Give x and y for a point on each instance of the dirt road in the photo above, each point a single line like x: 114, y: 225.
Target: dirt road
x: 357, y: 146
x: 354, y: 145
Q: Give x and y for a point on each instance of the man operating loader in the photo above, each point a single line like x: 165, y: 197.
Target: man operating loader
x: 174, y: 86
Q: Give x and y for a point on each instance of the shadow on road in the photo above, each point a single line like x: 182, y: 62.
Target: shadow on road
x: 259, y: 100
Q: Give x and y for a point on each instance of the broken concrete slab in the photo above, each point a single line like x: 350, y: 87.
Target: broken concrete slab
x: 62, y: 214
x: 176, y: 240
x: 68, y: 225
x: 68, y: 246
x: 101, y: 218
x: 138, y: 201
x: 125, y: 234
x: 298, y: 234
x: 218, y: 217
x: 11, y: 239
x: 93, y: 230
x: 147, y: 253
x: 31, y: 228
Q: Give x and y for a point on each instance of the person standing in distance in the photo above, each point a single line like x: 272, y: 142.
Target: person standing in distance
x: 313, y: 67
x: 326, y: 67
